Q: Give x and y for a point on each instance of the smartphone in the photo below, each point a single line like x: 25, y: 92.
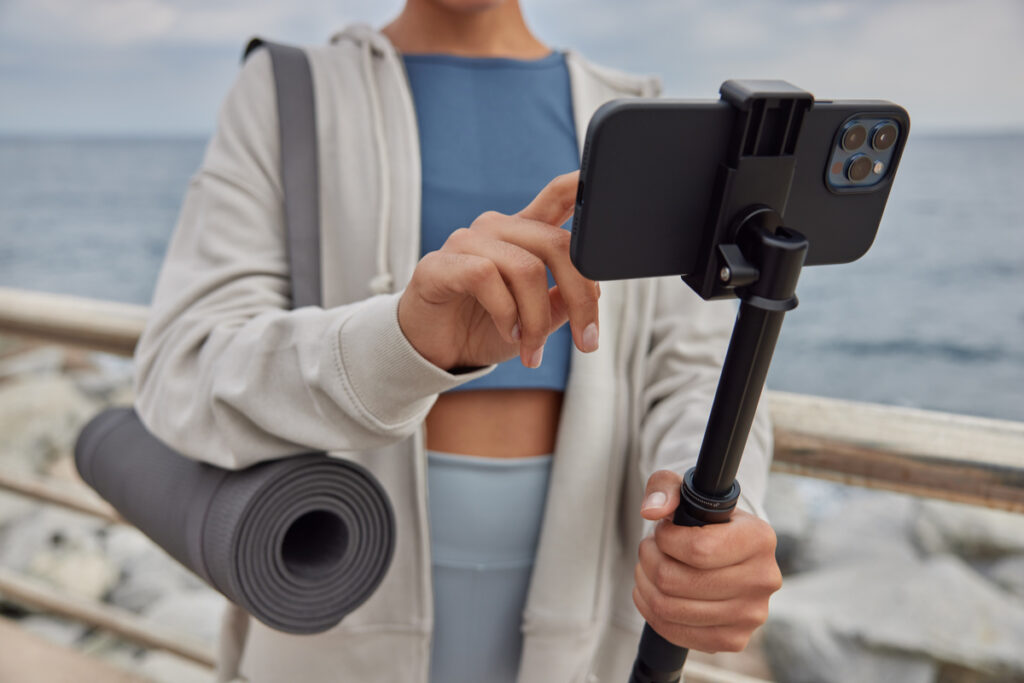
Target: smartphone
x: 650, y: 167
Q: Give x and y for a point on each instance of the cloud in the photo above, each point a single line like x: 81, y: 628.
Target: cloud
x: 952, y: 63
x: 128, y: 64
x: 183, y: 22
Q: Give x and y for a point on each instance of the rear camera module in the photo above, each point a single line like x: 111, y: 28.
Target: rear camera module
x: 883, y: 136
x: 854, y: 136
x: 858, y: 167
x: 864, y: 152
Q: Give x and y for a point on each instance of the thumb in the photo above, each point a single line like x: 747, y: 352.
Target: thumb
x: 662, y: 495
x: 556, y: 202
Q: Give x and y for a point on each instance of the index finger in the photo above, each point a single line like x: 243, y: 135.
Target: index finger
x: 715, y: 546
x: 556, y: 202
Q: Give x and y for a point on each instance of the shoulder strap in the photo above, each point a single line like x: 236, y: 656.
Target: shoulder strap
x: 300, y: 177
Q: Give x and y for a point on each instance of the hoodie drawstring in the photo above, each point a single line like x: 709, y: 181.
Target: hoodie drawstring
x: 384, y: 281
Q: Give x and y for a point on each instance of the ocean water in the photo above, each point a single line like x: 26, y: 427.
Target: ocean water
x: 932, y: 316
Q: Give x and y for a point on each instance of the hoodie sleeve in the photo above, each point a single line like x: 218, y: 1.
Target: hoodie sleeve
x: 687, y: 347
x: 225, y: 373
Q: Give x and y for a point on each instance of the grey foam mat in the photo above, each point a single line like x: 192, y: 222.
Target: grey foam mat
x: 298, y: 542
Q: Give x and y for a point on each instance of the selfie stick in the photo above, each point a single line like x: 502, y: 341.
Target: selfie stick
x: 747, y: 254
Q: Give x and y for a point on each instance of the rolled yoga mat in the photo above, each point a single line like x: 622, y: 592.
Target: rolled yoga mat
x: 298, y: 542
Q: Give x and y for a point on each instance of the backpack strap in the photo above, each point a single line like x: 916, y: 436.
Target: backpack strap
x: 300, y: 176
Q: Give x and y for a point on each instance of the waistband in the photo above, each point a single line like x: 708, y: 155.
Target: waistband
x: 485, y: 512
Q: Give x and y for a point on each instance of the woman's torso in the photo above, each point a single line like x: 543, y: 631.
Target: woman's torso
x: 493, y: 132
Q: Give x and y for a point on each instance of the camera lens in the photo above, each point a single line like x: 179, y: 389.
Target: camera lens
x: 854, y: 136
x: 883, y: 136
x: 858, y: 167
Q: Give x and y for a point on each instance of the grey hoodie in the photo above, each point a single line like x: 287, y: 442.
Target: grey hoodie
x: 227, y: 374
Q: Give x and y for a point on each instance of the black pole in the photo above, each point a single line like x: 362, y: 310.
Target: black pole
x: 709, y: 491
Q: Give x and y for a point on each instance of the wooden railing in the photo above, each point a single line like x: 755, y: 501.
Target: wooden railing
x: 939, y: 455
x: 925, y: 453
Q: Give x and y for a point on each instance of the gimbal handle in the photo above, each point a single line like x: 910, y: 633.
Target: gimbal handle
x: 709, y: 490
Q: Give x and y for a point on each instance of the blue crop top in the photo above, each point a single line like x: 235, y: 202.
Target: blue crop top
x: 493, y: 132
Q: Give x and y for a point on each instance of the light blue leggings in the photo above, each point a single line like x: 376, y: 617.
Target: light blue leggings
x: 485, y: 517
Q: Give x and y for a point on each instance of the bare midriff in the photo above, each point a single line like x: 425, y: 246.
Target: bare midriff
x: 496, y: 423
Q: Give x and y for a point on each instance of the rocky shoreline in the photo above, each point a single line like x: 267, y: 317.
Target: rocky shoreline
x: 879, y: 586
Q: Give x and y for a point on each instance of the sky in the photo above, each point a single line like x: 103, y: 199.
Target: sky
x: 161, y: 67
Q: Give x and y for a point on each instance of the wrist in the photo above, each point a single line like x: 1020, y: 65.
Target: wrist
x: 411, y: 325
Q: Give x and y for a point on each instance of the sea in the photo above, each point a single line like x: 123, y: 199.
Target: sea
x: 931, y: 317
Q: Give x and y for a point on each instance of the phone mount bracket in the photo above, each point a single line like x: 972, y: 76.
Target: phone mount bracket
x: 758, y: 173
x: 747, y: 253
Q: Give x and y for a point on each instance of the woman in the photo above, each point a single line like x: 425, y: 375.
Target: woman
x: 521, y: 561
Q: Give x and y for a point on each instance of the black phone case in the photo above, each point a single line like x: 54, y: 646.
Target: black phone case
x: 649, y: 172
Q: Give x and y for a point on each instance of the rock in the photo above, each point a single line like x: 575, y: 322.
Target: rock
x: 806, y: 652
x: 972, y: 532
x: 14, y: 507
x: 147, y: 572
x: 42, y: 359
x: 106, y: 646
x: 62, y: 548
x: 789, y: 517
x: 46, y: 527
x: 40, y: 417
x: 84, y: 572
x: 1008, y: 573
x: 162, y: 667
x: 60, y: 631
x: 866, y: 527
x: 196, y: 613
x: 937, y: 607
x: 108, y: 376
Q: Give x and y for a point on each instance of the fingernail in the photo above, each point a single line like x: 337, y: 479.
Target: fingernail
x: 654, y: 500
x: 536, y: 358
x: 516, y: 333
x: 590, y: 337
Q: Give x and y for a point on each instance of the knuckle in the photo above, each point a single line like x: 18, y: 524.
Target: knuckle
x: 774, y: 581
x: 643, y: 548
x: 458, y: 238
x: 663, y: 579
x: 703, y: 549
x: 509, y: 310
x: 587, y: 298
x: 769, y: 540
x: 425, y: 264
x: 477, y: 271
x: 486, y: 219
x: 661, y: 607
x: 736, y: 641
x: 533, y: 268
x: 759, y: 614
x: 560, y: 240
x: 705, y: 642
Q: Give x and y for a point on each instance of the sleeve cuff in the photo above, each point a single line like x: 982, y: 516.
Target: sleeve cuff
x: 389, y: 380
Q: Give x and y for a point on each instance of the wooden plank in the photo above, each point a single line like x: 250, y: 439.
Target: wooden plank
x: 699, y: 672
x: 925, y: 453
x: 28, y: 658
x: 90, y: 323
x: 895, y: 429
x: 38, y: 595
x: 73, y: 497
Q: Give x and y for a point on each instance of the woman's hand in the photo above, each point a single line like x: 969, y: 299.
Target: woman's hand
x: 483, y: 297
x: 704, y: 588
